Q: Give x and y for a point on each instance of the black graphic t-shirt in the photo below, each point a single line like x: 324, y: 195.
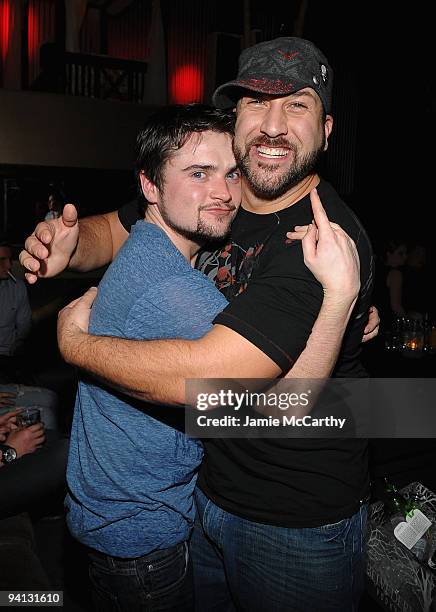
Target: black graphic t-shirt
x: 274, y: 302
x: 232, y: 265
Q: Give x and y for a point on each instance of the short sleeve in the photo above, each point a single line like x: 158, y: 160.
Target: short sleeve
x: 181, y: 306
x: 278, y: 309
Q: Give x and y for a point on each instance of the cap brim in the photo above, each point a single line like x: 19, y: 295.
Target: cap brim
x: 227, y: 95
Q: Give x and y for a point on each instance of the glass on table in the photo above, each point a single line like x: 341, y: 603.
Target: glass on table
x: 28, y: 416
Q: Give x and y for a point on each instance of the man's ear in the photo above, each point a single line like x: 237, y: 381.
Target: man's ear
x: 149, y: 189
x: 328, y: 126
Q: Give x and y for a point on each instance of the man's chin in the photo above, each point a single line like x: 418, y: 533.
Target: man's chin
x: 270, y: 187
x: 215, y: 236
x: 205, y: 235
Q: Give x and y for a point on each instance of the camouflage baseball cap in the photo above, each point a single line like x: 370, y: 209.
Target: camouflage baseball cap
x: 280, y: 66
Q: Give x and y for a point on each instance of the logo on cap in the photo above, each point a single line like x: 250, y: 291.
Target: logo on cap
x: 324, y: 74
x: 288, y: 56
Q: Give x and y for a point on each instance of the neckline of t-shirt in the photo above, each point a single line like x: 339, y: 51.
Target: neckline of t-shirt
x: 143, y: 225
x: 293, y: 206
x: 146, y: 225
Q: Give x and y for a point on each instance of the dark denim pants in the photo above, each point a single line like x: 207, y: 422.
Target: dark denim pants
x: 158, y: 582
x: 242, y: 565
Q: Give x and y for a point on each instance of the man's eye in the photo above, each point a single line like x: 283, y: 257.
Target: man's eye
x: 199, y: 174
x: 234, y: 176
x: 256, y: 101
x: 297, y: 105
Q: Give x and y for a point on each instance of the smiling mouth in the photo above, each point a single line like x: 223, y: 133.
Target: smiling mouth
x: 272, y: 152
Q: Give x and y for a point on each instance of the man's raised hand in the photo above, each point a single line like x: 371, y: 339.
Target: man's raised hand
x: 48, y: 250
x: 330, y: 254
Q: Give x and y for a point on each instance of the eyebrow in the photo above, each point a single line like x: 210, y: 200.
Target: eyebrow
x: 300, y: 94
x: 199, y: 167
x: 207, y: 167
x: 295, y: 94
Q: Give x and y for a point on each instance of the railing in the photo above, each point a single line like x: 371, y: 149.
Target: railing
x: 92, y: 76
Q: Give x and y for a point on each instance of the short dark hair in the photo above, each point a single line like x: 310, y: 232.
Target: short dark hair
x: 168, y: 130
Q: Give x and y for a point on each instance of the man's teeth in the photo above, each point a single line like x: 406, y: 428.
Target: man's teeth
x: 272, y: 152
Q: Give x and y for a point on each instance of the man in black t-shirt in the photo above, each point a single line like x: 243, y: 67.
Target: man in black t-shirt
x: 282, y: 520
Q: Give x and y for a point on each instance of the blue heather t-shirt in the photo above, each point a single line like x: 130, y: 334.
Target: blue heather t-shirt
x: 130, y: 475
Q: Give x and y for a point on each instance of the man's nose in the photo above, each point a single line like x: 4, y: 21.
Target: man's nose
x: 274, y: 121
x: 220, y: 190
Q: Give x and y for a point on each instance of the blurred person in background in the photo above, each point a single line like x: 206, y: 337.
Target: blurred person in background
x: 389, y: 280
x: 55, y: 203
x: 15, y: 325
x: 15, y: 313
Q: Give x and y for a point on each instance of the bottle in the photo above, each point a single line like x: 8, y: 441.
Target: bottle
x: 396, y: 341
x: 395, y: 503
x: 426, y: 328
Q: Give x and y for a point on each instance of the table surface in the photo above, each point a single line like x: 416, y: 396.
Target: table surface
x: 395, y: 578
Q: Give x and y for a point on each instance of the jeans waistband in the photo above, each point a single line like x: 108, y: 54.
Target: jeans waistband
x: 156, y: 555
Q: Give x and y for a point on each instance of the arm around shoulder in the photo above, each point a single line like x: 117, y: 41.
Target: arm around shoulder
x: 100, y: 238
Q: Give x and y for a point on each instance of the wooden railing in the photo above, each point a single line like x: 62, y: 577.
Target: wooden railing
x: 92, y: 76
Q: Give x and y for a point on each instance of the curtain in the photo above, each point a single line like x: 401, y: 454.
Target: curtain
x: 187, y: 50
x: 41, y: 22
x: 155, y: 92
x: 5, y: 28
x: 5, y: 33
x: 90, y: 40
x: 128, y: 32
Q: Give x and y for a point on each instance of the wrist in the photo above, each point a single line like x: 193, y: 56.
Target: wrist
x: 73, y: 262
x: 71, y: 344
x: 337, y: 311
x: 8, y: 454
x: 340, y: 300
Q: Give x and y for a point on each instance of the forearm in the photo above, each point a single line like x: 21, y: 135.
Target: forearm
x: 100, y: 238
x: 157, y: 370
x: 317, y: 360
x: 147, y: 370
x: 324, y: 343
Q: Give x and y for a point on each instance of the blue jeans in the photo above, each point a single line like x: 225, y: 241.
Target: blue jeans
x: 158, y: 582
x: 242, y: 565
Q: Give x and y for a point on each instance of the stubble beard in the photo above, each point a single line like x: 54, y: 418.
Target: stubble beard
x: 264, y: 180
x: 204, y: 232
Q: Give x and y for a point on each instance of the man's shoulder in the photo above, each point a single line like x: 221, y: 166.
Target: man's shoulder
x: 340, y: 212
x: 148, y: 248
x: 150, y: 267
x: 193, y: 290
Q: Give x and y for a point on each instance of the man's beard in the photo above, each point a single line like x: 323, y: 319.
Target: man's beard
x: 264, y: 184
x: 202, y: 233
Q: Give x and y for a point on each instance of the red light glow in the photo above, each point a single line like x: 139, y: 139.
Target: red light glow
x: 4, y: 28
x: 32, y: 32
x: 186, y: 85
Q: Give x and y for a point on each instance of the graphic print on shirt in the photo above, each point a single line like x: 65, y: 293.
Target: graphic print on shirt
x: 230, y: 267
